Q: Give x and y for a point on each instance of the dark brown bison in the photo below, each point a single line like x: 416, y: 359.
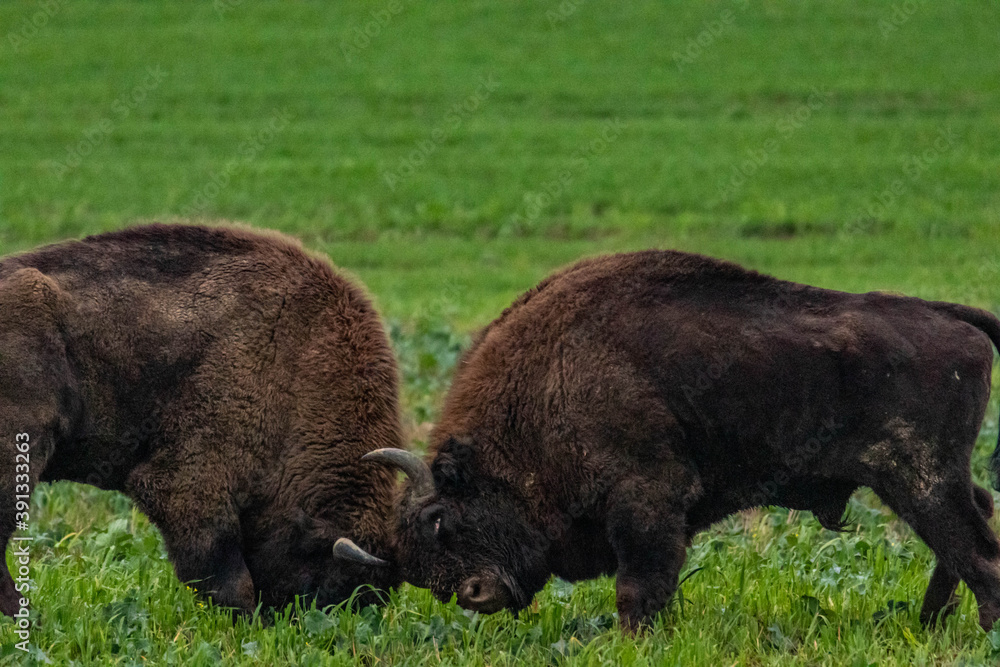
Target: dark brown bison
x: 225, y: 380
x: 630, y: 401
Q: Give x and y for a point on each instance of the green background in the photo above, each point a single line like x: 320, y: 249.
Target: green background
x: 865, y: 140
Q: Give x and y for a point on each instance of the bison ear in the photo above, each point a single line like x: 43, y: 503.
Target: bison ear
x: 452, y: 467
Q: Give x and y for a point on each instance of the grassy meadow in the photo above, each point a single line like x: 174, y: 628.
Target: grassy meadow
x: 450, y: 155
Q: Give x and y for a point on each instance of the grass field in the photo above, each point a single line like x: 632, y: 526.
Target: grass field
x: 450, y: 155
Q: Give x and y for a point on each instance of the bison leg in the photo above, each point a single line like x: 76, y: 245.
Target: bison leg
x: 649, y: 538
x: 950, y: 519
x: 200, y: 528
x: 940, y: 600
x: 38, y: 405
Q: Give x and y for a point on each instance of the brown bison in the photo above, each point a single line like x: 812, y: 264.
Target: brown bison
x: 226, y: 381
x: 630, y: 401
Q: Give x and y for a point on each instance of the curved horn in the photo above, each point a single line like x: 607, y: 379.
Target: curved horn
x: 411, y: 464
x: 348, y: 550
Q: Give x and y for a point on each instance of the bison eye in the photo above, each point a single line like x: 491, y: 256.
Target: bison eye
x: 431, y: 516
x: 435, y: 523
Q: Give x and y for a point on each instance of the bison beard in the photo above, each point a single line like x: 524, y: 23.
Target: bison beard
x: 630, y: 401
x: 224, y: 380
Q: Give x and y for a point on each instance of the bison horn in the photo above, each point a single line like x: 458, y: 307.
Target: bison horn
x: 414, y: 467
x: 347, y: 550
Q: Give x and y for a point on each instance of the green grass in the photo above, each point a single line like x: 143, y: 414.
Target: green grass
x: 815, y: 110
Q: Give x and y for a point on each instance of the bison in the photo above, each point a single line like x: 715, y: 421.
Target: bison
x: 630, y: 401
x: 224, y: 380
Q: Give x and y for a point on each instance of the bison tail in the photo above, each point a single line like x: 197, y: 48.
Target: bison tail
x: 990, y: 325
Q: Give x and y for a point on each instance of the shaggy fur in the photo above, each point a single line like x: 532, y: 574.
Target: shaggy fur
x: 630, y: 401
x: 224, y: 380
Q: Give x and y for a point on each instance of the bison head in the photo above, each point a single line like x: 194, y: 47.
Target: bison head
x: 462, y: 532
x: 294, y: 555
